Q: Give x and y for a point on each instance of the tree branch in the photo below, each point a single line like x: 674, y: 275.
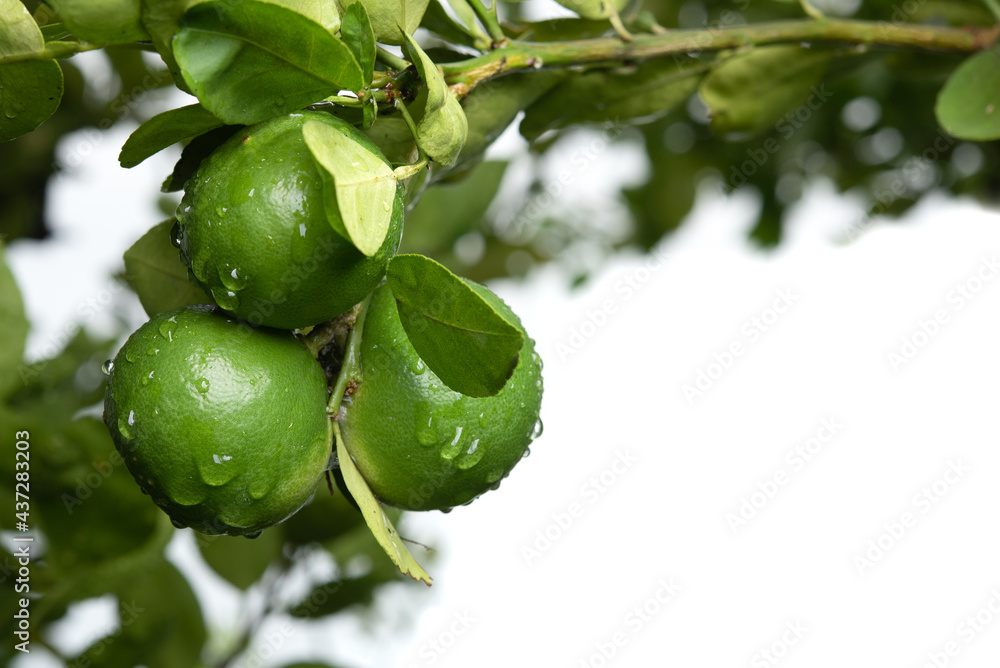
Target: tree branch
x: 467, y: 74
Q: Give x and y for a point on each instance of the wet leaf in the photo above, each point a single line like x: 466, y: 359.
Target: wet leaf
x: 30, y: 90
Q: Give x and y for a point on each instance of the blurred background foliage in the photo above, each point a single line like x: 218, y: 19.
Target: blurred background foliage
x: 861, y: 119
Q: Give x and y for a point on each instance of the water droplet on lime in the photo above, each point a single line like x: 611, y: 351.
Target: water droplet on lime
x: 471, y: 457
x: 130, y: 354
x: 108, y: 367
x: 451, y: 450
x: 259, y: 489
x: 230, y: 277
x: 537, y: 430
x: 167, y: 328
x: 125, y: 426
x: 202, y: 385
x: 218, y: 470
x: 494, y: 475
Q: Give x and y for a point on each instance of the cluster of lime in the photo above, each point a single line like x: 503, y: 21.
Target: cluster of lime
x: 220, y: 410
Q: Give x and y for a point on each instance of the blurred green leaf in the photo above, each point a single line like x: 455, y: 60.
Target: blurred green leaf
x: 165, y: 130
x: 750, y: 92
x: 240, y: 560
x: 160, y: 624
x: 154, y: 270
x: 652, y: 89
x: 443, y: 128
x: 30, y: 90
x: 594, y: 9
x: 447, y: 211
x: 335, y: 596
x: 492, y: 106
x: 248, y: 60
x: 968, y: 106
x: 472, y: 348
x: 326, y: 517
x: 14, y: 330
x: 388, y: 16
x: 102, y: 21
x: 358, y: 35
x: 359, y: 188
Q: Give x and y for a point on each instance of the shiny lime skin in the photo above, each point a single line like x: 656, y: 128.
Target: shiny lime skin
x: 222, y: 424
x: 419, y: 444
x: 252, y: 229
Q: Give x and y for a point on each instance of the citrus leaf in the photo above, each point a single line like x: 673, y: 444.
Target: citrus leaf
x: 594, y: 9
x: 160, y: 624
x: 472, y: 348
x: 14, y: 330
x: 102, y: 21
x: 356, y: 30
x: 751, y: 91
x: 359, y: 188
x: 248, y: 60
x: 240, y: 560
x: 968, y: 107
x: 652, y: 89
x: 443, y: 129
x: 388, y: 16
x: 164, y: 130
x: 196, y: 150
x: 154, y: 270
x: 335, y: 596
x: 30, y: 90
x: 323, y: 12
x: 375, y: 517
x: 464, y: 11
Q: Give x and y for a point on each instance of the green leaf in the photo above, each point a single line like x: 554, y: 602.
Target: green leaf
x: 387, y: 16
x: 968, y: 107
x: 14, y: 330
x: 616, y: 95
x: 447, y: 211
x: 323, y: 12
x: 240, y: 560
x: 248, y: 60
x: 30, y: 90
x: 493, y: 105
x: 394, y: 139
x: 357, y: 33
x: 375, y: 517
x: 359, y: 188
x: 154, y: 270
x: 166, y: 129
x: 161, y: 624
x: 467, y: 15
x: 462, y: 338
x: 594, y: 9
x: 751, y: 91
x: 102, y: 21
x: 335, y: 596
x: 443, y: 128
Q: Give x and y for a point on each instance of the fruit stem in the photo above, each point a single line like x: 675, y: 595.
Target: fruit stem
x: 351, y: 367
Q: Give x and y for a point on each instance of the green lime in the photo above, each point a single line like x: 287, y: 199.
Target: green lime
x: 222, y: 424
x: 253, y: 230
x: 421, y: 445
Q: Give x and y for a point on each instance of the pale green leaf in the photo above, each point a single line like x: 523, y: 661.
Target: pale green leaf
x: 379, y: 523
x: 359, y: 188
x: 443, y: 129
x: 968, y: 107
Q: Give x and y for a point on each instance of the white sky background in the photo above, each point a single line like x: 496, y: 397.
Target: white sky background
x: 670, y: 470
